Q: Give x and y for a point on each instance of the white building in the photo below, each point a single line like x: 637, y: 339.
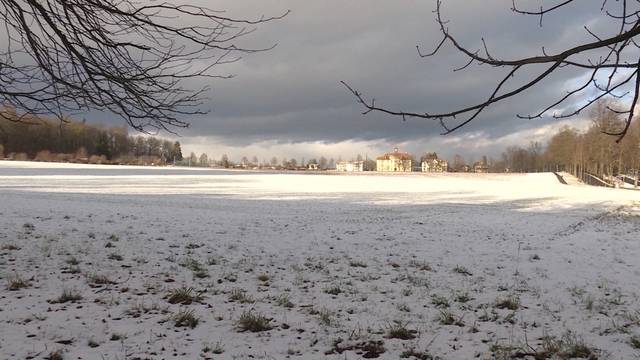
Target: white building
x: 480, y: 167
x: 395, y: 161
x: 350, y: 166
x: 435, y: 165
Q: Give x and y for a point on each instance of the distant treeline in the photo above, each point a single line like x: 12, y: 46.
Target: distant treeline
x: 594, y: 152
x: 581, y: 153
x: 37, y: 138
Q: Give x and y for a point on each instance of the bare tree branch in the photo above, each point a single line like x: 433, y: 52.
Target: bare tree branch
x: 620, y: 61
x: 121, y: 56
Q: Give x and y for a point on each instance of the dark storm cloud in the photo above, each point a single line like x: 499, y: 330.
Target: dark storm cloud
x: 292, y: 93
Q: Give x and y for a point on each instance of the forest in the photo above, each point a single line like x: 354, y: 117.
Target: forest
x: 37, y: 138
x: 584, y: 153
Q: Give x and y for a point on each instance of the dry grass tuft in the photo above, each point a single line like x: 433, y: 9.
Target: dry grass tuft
x: 253, y: 322
x: 184, y: 296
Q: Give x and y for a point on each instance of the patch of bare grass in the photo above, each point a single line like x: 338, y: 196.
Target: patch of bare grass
x: 216, y: 348
x: 333, y: 290
x: 184, y: 296
x: 284, y: 301
x: 240, y: 296
x: 414, y: 354
x: 370, y: 349
x: 185, y: 318
x: 440, y: 301
x: 16, y: 282
x: 510, y: 303
x: 462, y: 270
x: 447, y: 317
x: 99, y: 279
x: 55, y: 355
x: 253, y: 322
x: 9, y: 247
x: 399, y: 330
x: 67, y: 296
x: 358, y: 264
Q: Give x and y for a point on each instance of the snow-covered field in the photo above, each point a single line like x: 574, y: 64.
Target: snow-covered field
x: 147, y: 263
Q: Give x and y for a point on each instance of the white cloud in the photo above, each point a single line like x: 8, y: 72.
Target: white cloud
x: 470, y: 144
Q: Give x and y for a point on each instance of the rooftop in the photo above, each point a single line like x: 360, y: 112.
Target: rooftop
x: 396, y: 155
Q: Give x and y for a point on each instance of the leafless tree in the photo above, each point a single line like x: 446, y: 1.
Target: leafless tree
x: 613, y: 64
x: 127, y: 57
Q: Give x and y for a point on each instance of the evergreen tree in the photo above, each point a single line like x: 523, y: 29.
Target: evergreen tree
x: 140, y: 146
x: 176, y: 152
x: 428, y: 156
x: 204, y: 160
x: 323, y: 162
x: 102, y: 145
x: 224, y: 161
x: 166, y: 150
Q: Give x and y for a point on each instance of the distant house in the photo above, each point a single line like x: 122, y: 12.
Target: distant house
x: 395, y: 161
x: 480, y: 167
x: 350, y: 166
x: 312, y: 166
x: 435, y: 165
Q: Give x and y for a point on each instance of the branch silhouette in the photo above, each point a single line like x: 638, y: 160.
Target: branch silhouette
x: 126, y: 57
x: 619, y: 65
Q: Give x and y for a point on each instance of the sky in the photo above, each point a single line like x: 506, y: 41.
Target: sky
x: 288, y: 102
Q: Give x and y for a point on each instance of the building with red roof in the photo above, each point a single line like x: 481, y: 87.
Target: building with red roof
x: 396, y: 161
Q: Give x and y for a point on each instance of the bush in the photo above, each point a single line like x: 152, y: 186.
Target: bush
x: 44, y: 155
x: 95, y: 159
x: 62, y: 157
x: 18, y: 156
x: 81, y: 154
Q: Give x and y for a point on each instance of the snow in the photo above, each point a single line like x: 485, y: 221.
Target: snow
x: 569, y: 253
